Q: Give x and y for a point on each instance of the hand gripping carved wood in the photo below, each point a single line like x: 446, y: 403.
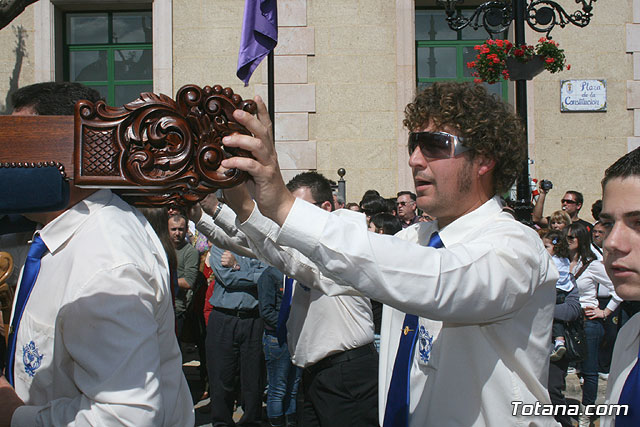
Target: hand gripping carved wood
x: 157, y: 151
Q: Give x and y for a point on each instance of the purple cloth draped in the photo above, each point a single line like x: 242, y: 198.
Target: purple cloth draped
x: 259, y: 35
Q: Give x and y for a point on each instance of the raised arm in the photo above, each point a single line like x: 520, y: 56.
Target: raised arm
x: 538, y: 208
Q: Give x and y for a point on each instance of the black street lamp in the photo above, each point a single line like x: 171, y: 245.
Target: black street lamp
x: 496, y: 17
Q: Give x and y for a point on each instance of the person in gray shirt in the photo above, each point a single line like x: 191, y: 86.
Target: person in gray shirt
x: 234, y: 338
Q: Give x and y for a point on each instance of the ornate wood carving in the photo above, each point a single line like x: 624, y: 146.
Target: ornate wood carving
x: 153, y: 151
x: 158, y: 151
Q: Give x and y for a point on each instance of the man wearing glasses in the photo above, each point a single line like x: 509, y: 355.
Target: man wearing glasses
x: 571, y: 204
x: 406, y: 208
x: 469, y: 298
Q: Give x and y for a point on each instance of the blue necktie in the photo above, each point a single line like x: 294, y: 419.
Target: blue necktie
x: 283, y: 314
x: 29, y: 275
x: 630, y: 395
x: 396, y: 413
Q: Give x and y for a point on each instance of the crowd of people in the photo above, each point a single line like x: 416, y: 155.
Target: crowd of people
x: 433, y: 307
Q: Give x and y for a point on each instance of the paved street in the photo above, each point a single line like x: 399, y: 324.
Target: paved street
x: 203, y: 417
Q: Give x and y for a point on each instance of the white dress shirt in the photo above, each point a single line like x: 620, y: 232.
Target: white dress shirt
x: 625, y: 355
x: 99, y: 326
x: 318, y: 325
x: 589, y: 283
x: 485, y: 303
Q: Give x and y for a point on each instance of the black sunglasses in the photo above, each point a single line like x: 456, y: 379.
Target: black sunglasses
x: 436, y: 145
x: 569, y: 201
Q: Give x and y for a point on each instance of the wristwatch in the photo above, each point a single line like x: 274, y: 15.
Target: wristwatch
x: 217, y: 211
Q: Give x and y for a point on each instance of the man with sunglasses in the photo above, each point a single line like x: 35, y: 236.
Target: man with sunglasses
x: 406, y: 208
x: 571, y: 204
x: 469, y: 298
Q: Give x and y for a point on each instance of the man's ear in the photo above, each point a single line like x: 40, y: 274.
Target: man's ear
x: 485, y: 165
x: 327, y: 206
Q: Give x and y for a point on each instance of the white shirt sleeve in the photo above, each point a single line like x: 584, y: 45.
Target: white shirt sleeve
x: 224, y: 237
x: 111, y: 339
x: 263, y: 232
x: 478, y: 280
x: 594, y: 275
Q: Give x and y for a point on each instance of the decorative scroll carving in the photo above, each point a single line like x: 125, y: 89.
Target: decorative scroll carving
x: 158, y: 150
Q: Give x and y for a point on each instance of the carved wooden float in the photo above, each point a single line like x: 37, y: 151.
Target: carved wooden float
x: 153, y: 151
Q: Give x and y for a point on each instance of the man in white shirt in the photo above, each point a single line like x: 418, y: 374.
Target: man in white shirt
x: 485, y: 301
x: 620, y: 217
x: 95, y: 345
x: 330, y: 337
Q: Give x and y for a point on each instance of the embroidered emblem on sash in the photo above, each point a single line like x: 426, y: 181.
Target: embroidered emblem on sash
x: 31, y: 358
x: 425, y: 341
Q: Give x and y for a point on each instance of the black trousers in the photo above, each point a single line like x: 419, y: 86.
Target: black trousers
x: 343, y: 394
x: 557, y: 385
x: 234, y: 355
x: 609, y: 339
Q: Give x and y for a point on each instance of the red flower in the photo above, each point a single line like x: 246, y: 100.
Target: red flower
x: 499, y: 43
x: 549, y: 60
x: 508, y: 44
x: 496, y: 60
x: 542, y: 39
x: 484, y: 50
x: 490, y: 42
x: 477, y: 80
x: 518, y: 52
x: 568, y: 67
x: 471, y: 64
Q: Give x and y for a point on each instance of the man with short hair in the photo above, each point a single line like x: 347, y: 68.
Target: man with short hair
x: 571, y: 204
x: 469, y: 298
x: 331, y: 337
x: 621, y: 218
x: 597, y: 235
x: 93, y: 330
x: 406, y: 208
x: 234, y: 338
x: 187, y: 270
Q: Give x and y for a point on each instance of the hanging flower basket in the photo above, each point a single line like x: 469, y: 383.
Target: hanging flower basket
x: 500, y: 59
x: 524, y: 70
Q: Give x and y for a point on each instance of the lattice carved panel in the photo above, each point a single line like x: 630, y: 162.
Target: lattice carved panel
x: 159, y: 151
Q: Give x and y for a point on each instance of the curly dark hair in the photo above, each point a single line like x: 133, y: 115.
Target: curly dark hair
x: 488, y: 125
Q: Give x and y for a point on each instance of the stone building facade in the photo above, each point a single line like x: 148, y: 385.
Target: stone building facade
x: 345, y: 69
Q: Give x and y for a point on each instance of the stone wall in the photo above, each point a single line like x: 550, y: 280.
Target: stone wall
x: 573, y: 149
x: 10, y: 64
x: 345, y: 70
x: 354, y: 70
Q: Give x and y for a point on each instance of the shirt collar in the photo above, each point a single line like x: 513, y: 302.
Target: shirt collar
x: 60, y: 230
x: 458, y: 229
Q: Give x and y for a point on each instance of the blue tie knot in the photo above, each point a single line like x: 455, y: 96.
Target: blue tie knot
x: 435, y: 241
x: 38, y: 248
